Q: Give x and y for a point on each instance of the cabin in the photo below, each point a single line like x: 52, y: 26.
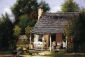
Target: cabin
x: 49, y: 30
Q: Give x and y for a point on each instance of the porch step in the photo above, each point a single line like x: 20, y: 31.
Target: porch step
x: 45, y: 53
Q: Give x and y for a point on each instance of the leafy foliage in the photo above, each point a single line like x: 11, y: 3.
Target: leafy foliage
x: 79, y: 39
x: 17, y: 30
x: 28, y: 30
x: 6, y: 39
x: 26, y: 13
x: 28, y: 7
x: 70, y: 29
x: 70, y: 6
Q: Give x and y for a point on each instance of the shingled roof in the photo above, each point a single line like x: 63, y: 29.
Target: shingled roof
x: 53, y: 22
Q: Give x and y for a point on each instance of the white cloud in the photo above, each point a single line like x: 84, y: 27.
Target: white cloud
x: 7, y: 10
x: 55, y: 5
x: 6, y: 4
x: 55, y: 9
x: 10, y: 14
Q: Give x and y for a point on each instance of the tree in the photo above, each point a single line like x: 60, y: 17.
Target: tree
x: 70, y: 6
x: 17, y: 30
x: 26, y: 13
x: 28, y: 30
x: 23, y: 22
x: 70, y: 29
x: 28, y: 7
x: 70, y: 33
x: 80, y: 33
x: 6, y: 33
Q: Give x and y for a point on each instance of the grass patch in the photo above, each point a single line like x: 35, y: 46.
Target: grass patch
x: 63, y: 54
x: 6, y: 52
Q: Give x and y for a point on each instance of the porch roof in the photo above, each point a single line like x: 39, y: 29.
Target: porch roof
x: 53, y: 22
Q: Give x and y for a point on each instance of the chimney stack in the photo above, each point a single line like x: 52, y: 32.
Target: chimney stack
x: 40, y: 9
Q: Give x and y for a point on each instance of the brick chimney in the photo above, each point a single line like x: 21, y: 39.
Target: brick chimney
x: 40, y: 9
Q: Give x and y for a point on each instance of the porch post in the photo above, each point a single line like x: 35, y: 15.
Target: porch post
x: 66, y: 42
x: 43, y: 43
x: 30, y: 38
x: 50, y: 44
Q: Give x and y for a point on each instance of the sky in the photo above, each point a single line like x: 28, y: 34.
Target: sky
x: 55, y: 5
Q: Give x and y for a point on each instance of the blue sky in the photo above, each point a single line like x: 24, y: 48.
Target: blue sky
x: 55, y: 5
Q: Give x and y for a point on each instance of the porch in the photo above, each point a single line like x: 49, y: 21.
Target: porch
x: 48, y: 41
